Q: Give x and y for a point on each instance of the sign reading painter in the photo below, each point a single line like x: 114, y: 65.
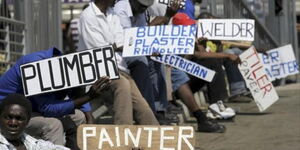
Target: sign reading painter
x: 125, y: 137
x: 280, y: 62
x: 169, y: 39
x: 170, y: 2
x: 186, y: 66
x: 67, y: 71
x: 257, y: 80
x: 227, y: 29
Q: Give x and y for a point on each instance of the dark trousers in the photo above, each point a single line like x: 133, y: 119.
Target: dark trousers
x: 217, y: 87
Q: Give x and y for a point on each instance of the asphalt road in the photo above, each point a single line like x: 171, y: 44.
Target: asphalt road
x: 278, y: 128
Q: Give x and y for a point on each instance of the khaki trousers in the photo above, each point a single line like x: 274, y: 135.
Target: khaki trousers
x: 50, y: 128
x: 129, y: 103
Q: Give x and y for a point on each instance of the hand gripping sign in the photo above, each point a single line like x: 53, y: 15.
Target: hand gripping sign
x: 169, y: 39
x: 256, y: 79
x: 125, y: 137
x: 226, y: 29
x: 68, y: 71
x: 280, y: 62
x: 186, y: 66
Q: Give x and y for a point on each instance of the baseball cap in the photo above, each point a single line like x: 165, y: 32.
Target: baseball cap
x: 182, y: 19
x: 146, y: 2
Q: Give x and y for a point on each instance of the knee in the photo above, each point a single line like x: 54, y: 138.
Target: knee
x: 54, y: 127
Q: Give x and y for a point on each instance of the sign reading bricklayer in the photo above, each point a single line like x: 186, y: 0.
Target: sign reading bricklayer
x: 125, y: 137
x: 257, y: 80
x: 68, y: 71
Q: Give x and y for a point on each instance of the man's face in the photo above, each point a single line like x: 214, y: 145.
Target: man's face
x: 13, y: 121
x: 137, y: 7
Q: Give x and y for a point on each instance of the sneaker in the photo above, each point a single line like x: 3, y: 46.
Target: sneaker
x: 174, y: 109
x: 212, y: 116
x: 220, y: 111
x: 240, y: 98
x: 209, y: 126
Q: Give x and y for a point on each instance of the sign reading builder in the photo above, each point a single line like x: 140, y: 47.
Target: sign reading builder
x: 169, y: 39
x: 227, y: 29
x: 170, y: 2
x: 125, y: 137
x: 186, y: 66
x: 256, y: 78
x: 67, y: 71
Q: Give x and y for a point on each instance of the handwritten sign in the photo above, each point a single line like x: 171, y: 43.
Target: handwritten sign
x: 68, y: 71
x: 257, y: 80
x: 280, y: 62
x: 227, y: 29
x: 186, y: 66
x: 169, y: 39
x: 125, y: 137
x: 169, y: 2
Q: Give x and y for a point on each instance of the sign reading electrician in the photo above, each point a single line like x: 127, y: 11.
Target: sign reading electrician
x: 227, y: 29
x: 67, y: 71
x: 169, y: 39
x: 257, y: 80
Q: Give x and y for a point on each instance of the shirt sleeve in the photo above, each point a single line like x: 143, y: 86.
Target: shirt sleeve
x: 121, y: 10
x: 49, y: 106
x: 86, y: 107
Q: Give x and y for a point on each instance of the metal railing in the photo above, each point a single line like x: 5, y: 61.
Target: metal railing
x: 12, y: 42
x: 264, y: 39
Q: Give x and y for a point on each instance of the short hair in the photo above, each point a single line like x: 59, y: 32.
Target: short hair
x: 16, y: 99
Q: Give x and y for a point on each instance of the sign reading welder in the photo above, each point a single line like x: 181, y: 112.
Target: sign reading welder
x: 170, y: 2
x: 257, y: 80
x: 186, y: 66
x: 67, y: 71
x: 227, y: 29
x: 169, y: 39
x: 280, y: 62
x: 125, y: 137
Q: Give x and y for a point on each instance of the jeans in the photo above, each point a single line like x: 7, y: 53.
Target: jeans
x: 236, y: 81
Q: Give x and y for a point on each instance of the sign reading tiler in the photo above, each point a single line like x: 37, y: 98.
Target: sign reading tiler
x: 257, y: 80
x: 67, y: 71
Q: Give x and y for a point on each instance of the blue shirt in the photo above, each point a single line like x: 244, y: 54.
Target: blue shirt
x: 49, y: 104
x: 189, y: 9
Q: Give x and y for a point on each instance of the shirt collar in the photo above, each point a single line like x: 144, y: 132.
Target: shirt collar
x: 96, y: 10
x: 4, y: 140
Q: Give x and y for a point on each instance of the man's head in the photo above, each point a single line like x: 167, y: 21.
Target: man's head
x: 15, y: 112
x: 140, y: 6
x: 108, y: 3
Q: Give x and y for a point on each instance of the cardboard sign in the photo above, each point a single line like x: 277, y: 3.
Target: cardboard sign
x: 125, y: 137
x: 169, y: 39
x: 257, y: 80
x: 169, y: 2
x: 68, y: 71
x: 186, y: 66
x: 227, y: 29
x: 280, y: 62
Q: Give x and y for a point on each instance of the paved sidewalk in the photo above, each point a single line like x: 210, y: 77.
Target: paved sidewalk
x: 278, y: 128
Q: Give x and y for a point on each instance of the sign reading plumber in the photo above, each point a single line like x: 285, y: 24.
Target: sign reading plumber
x: 257, y: 80
x: 280, y: 62
x: 169, y: 39
x: 125, y: 137
x: 227, y: 29
x: 67, y: 71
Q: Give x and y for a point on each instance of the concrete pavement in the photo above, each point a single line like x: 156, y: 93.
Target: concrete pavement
x: 278, y: 128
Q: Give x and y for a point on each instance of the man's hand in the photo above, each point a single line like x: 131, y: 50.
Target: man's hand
x: 173, y: 9
x: 236, y: 59
x: 100, y: 85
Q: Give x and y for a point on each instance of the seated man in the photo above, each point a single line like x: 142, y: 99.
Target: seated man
x: 50, y: 108
x: 100, y: 26
x: 15, y: 113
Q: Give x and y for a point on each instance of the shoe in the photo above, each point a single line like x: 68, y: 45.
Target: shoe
x: 209, y: 126
x: 241, y: 98
x: 174, y: 109
x: 212, y: 116
x: 220, y: 111
x: 166, y: 119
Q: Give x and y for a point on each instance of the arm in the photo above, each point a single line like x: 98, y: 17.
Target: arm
x: 89, y: 117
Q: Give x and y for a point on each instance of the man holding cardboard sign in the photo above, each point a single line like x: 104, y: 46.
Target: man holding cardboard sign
x: 99, y: 26
x: 50, y: 107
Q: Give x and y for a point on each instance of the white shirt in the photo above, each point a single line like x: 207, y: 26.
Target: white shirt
x: 30, y: 144
x: 74, y: 31
x: 97, y: 30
